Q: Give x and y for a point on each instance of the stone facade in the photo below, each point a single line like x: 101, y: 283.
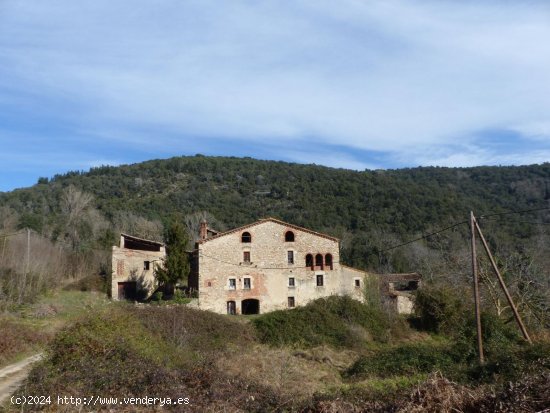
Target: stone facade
x: 133, y: 264
x: 270, y: 265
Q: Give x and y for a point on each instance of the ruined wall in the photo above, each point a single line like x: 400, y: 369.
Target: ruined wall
x: 128, y: 265
x: 269, y: 271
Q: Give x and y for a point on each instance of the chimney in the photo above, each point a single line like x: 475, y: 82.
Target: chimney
x: 203, y: 231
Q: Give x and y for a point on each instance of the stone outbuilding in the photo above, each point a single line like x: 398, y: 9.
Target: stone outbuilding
x: 133, y: 264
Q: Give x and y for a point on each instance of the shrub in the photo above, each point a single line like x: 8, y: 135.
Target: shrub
x: 195, y: 330
x: 439, y: 309
x: 337, y: 321
x: 16, y: 338
x: 407, y: 359
x: 112, y: 353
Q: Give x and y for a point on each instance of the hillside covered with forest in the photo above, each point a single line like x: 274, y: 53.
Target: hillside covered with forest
x: 369, y: 210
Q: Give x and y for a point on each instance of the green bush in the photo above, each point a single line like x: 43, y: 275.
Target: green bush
x: 440, y: 309
x: 336, y: 321
x: 407, y: 359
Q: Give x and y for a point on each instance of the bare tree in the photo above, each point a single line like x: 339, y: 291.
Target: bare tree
x: 8, y: 218
x: 193, y: 221
x: 74, y: 204
x: 138, y: 226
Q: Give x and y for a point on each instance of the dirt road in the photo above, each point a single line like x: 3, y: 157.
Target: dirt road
x: 13, y: 375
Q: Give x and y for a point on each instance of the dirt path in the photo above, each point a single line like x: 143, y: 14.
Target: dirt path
x: 13, y: 375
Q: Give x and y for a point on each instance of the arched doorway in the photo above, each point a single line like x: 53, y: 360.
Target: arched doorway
x: 231, y: 308
x: 250, y: 306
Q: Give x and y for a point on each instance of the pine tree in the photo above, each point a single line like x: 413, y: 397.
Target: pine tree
x: 175, y: 266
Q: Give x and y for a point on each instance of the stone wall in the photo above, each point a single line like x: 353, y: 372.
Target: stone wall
x: 128, y: 265
x: 222, y: 258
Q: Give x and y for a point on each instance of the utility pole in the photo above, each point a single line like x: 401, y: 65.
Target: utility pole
x: 28, y: 250
x: 476, y: 288
x: 27, y: 267
x: 4, y: 248
x: 503, y: 286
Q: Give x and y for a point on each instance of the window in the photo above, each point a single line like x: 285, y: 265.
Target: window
x: 291, y: 282
x: 146, y: 265
x: 246, y: 237
x: 290, y: 256
x: 246, y: 285
x: 246, y: 256
x: 319, y: 261
x: 231, y: 308
x: 291, y: 302
x: 328, y: 261
x: 232, y: 283
x: 357, y: 283
x: 319, y: 280
x: 309, y: 261
x: 289, y: 236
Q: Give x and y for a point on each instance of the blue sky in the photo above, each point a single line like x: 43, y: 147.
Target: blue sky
x: 352, y: 84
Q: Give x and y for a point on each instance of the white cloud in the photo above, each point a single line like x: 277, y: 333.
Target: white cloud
x: 385, y: 75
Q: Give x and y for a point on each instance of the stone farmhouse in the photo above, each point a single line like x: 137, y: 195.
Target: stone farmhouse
x: 260, y: 267
x: 269, y: 265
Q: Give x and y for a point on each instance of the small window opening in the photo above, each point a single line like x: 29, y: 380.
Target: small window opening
x: 290, y: 256
x: 319, y: 280
x: 291, y: 302
x: 246, y: 237
x: 146, y: 265
x: 319, y: 261
x: 357, y: 283
x: 309, y: 261
x: 328, y: 261
x: 232, y: 283
x: 246, y: 256
x: 291, y: 282
x: 289, y: 236
x: 246, y: 285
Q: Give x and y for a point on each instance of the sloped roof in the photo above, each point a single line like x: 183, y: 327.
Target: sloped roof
x: 261, y: 221
x: 141, y: 240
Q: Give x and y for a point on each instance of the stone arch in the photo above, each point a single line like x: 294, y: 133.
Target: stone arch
x: 250, y: 306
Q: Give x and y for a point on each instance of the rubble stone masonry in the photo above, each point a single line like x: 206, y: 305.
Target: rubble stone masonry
x: 222, y: 258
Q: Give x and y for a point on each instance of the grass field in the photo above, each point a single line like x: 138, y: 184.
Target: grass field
x: 29, y: 328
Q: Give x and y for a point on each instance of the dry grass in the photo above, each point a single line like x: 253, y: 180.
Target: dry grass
x: 33, y: 326
x: 18, y: 339
x: 295, y: 375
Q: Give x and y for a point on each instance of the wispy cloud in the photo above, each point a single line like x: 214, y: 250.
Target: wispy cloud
x: 418, y: 80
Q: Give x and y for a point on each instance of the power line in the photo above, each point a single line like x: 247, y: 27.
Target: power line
x: 12, y: 234
x: 425, y: 236
x: 514, y: 212
x: 465, y: 222
x: 518, y: 222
